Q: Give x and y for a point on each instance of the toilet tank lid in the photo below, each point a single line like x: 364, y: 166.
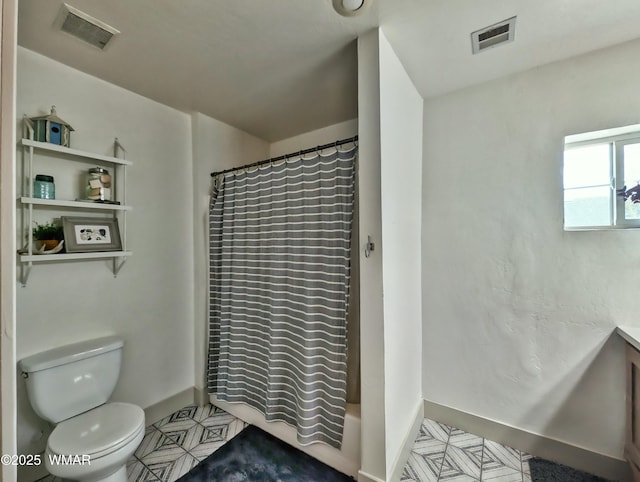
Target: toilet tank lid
x: 69, y: 353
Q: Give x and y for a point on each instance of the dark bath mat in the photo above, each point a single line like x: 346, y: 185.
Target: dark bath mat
x: 546, y: 471
x: 256, y: 456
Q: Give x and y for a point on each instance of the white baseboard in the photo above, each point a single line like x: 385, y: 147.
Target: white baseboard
x: 200, y: 396
x: 158, y: 411
x: 531, y: 443
x: 407, y: 444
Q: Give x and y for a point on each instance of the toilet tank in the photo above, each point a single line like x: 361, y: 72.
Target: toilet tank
x: 71, y: 379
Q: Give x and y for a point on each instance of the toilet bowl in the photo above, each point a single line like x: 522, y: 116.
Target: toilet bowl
x: 70, y: 386
x: 96, y: 444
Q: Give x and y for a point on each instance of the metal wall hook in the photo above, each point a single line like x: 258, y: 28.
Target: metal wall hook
x: 369, y: 247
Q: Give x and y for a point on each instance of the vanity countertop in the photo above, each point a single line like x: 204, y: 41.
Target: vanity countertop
x: 631, y: 334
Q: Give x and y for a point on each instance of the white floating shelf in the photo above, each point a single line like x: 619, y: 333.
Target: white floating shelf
x: 75, y: 204
x: 67, y: 151
x: 71, y: 256
x: 29, y: 204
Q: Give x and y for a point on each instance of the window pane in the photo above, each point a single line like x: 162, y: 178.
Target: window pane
x: 587, y: 166
x: 587, y: 207
x: 632, y: 181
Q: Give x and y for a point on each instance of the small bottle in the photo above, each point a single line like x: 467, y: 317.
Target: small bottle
x: 98, y: 184
x: 43, y: 187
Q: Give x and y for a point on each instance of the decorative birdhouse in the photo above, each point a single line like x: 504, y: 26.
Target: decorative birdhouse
x: 50, y: 128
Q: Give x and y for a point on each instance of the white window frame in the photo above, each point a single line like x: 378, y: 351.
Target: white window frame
x: 617, y: 139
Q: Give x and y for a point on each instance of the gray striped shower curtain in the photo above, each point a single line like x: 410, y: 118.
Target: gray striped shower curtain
x: 279, y: 275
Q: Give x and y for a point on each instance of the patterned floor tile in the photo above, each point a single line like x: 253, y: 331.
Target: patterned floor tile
x: 185, y: 413
x: 502, y: 474
x: 182, y: 435
x: 235, y: 428
x: 225, y: 427
x: 459, y: 478
x: 433, y: 430
x: 446, y: 454
x: 156, y: 442
x: 208, y: 411
x: 426, y: 467
x: 409, y: 475
x: 425, y: 461
x: 526, y: 471
x: 218, y: 418
x: 465, y: 440
x: 170, y: 470
x: 203, y: 450
x: 176, y: 424
x: 220, y: 429
x: 138, y: 472
x: 496, y: 455
x: 198, y: 435
x: 166, y: 453
x: 472, y: 447
x: 459, y: 462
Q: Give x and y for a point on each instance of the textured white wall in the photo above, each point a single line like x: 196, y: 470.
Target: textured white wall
x: 371, y: 304
x: 216, y: 146
x: 389, y: 182
x: 150, y: 303
x: 518, y: 314
x: 401, y: 187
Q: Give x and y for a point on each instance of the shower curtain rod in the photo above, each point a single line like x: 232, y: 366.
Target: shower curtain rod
x: 286, y: 156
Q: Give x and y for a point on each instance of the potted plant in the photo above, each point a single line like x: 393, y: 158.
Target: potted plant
x: 49, y: 234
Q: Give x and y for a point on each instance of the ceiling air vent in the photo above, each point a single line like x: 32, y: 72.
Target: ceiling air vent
x: 494, y: 35
x: 85, y: 27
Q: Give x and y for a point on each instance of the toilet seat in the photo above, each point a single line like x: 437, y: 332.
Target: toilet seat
x: 98, y: 432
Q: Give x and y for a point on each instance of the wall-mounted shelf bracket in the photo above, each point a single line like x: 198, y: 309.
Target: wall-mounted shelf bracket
x: 26, y: 260
x: 25, y: 270
x: 118, y: 263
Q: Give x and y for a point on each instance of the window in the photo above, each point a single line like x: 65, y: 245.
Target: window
x: 602, y: 179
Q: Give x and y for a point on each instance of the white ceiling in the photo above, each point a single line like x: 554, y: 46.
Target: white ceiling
x: 278, y: 68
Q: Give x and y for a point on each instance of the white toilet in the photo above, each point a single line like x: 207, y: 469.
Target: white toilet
x: 69, y: 386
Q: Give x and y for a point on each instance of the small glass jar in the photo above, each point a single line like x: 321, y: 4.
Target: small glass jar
x: 43, y: 187
x: 98, y: 184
